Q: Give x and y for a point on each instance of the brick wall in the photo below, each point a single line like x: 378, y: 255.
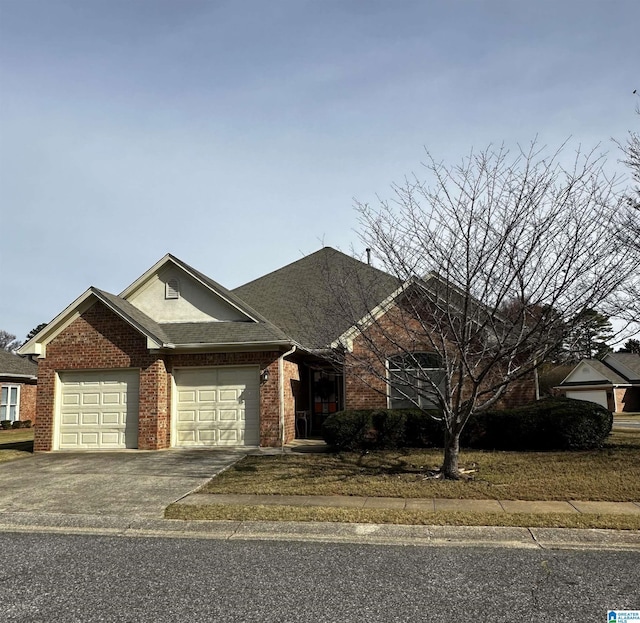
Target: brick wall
x: 291, y: 380
x: 97, y: 339
x: 269, y: 394
x: 28, y: 394
x: 365, y: 368
x: 627, y: 399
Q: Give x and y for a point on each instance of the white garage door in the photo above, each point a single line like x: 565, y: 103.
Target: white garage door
x: 98, y: 410
x: 217, y: 407
x: 599, y: 396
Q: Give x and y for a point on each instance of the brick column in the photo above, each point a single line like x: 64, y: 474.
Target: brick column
x: 153, y: 417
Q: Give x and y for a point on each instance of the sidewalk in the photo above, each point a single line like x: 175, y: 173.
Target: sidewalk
x: 429, y: 505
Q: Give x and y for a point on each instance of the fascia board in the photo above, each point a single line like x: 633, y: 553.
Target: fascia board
x: 19, y: 377
x: 37, y: 344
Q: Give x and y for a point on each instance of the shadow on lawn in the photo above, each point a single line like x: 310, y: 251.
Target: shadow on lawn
x: 23, y: 446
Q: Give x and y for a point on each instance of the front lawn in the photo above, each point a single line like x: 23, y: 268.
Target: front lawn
x: 610, y: 474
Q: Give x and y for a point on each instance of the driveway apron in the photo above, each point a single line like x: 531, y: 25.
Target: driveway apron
x: 123, y: 484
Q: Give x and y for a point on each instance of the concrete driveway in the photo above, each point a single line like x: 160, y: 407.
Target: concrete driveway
x: 134, y: 484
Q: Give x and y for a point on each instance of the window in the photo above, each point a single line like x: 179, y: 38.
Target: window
x: 172, y: 289
x: 9, y: 400
x: 412, y: 377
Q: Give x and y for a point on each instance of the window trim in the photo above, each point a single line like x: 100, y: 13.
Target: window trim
x: 6, y: 406
x: 394, y: 365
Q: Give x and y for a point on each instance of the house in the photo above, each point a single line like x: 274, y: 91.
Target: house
x: 176, y: 359
x: 613, y: 382
x: 18, y: 378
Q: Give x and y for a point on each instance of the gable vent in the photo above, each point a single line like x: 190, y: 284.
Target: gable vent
x: 172, y: 289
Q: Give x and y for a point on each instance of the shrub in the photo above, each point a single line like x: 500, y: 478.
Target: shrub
x: 549, y: 424
x: 27, y: 423
x: 381, y: 428
x: 5, y: 424
x: 16, y: 424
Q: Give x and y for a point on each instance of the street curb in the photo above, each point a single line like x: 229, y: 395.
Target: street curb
x: 317, y: 532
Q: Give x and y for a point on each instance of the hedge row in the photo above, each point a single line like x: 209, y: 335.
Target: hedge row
x: 550, y: 424
x: 8, y: 424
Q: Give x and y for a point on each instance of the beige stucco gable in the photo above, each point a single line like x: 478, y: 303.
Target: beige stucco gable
x: 584, y: 373
x: 174, y: 292
x: 193, y: 301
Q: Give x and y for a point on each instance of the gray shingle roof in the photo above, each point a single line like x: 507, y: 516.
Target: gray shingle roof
x: 222, y: 333
x: 629, y: 360
x: 182, y: 333
x: 607, y: 373
x: 316, y: 299
x: 133, y: 313
x: 14, y: 365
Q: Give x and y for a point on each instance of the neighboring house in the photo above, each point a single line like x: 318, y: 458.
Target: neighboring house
x: 178, y: 360
x: 613, y: 382
x: 18, y: 378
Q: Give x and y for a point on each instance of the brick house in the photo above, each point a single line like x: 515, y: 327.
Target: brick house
x: 613, y: 382
x: 176, y: 359
x: 18, y: 378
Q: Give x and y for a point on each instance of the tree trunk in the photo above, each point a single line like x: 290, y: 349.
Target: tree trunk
x: 449, y: 467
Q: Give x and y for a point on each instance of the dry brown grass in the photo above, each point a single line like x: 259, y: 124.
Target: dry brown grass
x: 610, y: 474
x: 361, y: 515
x: 16, y: 444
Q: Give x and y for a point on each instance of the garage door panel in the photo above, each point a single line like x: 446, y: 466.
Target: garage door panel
x: 597, y: 396
x: 98, y: 410
x: 218, y: 397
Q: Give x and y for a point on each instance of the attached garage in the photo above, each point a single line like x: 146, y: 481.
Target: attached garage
x: 599, y: 396
x: 217, y: 406
x: 98, y: 410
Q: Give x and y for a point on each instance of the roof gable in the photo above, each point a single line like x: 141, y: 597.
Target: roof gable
x: 593, y: 371
x: 172, y: 291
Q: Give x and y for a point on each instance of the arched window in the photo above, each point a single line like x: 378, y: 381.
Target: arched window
x: 414, y: 380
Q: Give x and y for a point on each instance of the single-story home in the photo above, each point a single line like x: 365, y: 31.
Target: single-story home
x: 613, y: 382
x: 18, y: 378
x: 176, y: 359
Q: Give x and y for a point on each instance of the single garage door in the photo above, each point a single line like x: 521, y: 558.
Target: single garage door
x: 599, y: 396
x: 98, y: 410
x: 217, y: 407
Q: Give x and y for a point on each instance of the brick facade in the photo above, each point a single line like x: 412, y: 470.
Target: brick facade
x: 99, y: 339
x: 365, y: 368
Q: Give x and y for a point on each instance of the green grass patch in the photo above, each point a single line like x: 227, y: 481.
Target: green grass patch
x: 381, y: 516
x: 609, y: 474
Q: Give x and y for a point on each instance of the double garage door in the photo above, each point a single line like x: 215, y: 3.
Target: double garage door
x: 212, y: 407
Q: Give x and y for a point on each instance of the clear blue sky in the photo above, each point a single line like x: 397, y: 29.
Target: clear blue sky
x: 235, y: 134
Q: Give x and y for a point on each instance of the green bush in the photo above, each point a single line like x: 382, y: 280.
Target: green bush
x: 549, y: 424
x: 16, y: 424
x: 27, y: 423
x: 381, y: 428
x: 5, y: 424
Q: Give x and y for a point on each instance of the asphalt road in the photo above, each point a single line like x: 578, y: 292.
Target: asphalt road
x: 67, y: 578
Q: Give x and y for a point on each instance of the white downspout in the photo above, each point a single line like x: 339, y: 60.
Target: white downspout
x: 281, y: 391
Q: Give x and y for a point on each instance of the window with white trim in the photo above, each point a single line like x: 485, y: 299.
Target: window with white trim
x: 412, y: 377
x: 10, y: 402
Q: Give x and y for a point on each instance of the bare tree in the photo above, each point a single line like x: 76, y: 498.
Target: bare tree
x: 8, y: 341
x: 499, y: 256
